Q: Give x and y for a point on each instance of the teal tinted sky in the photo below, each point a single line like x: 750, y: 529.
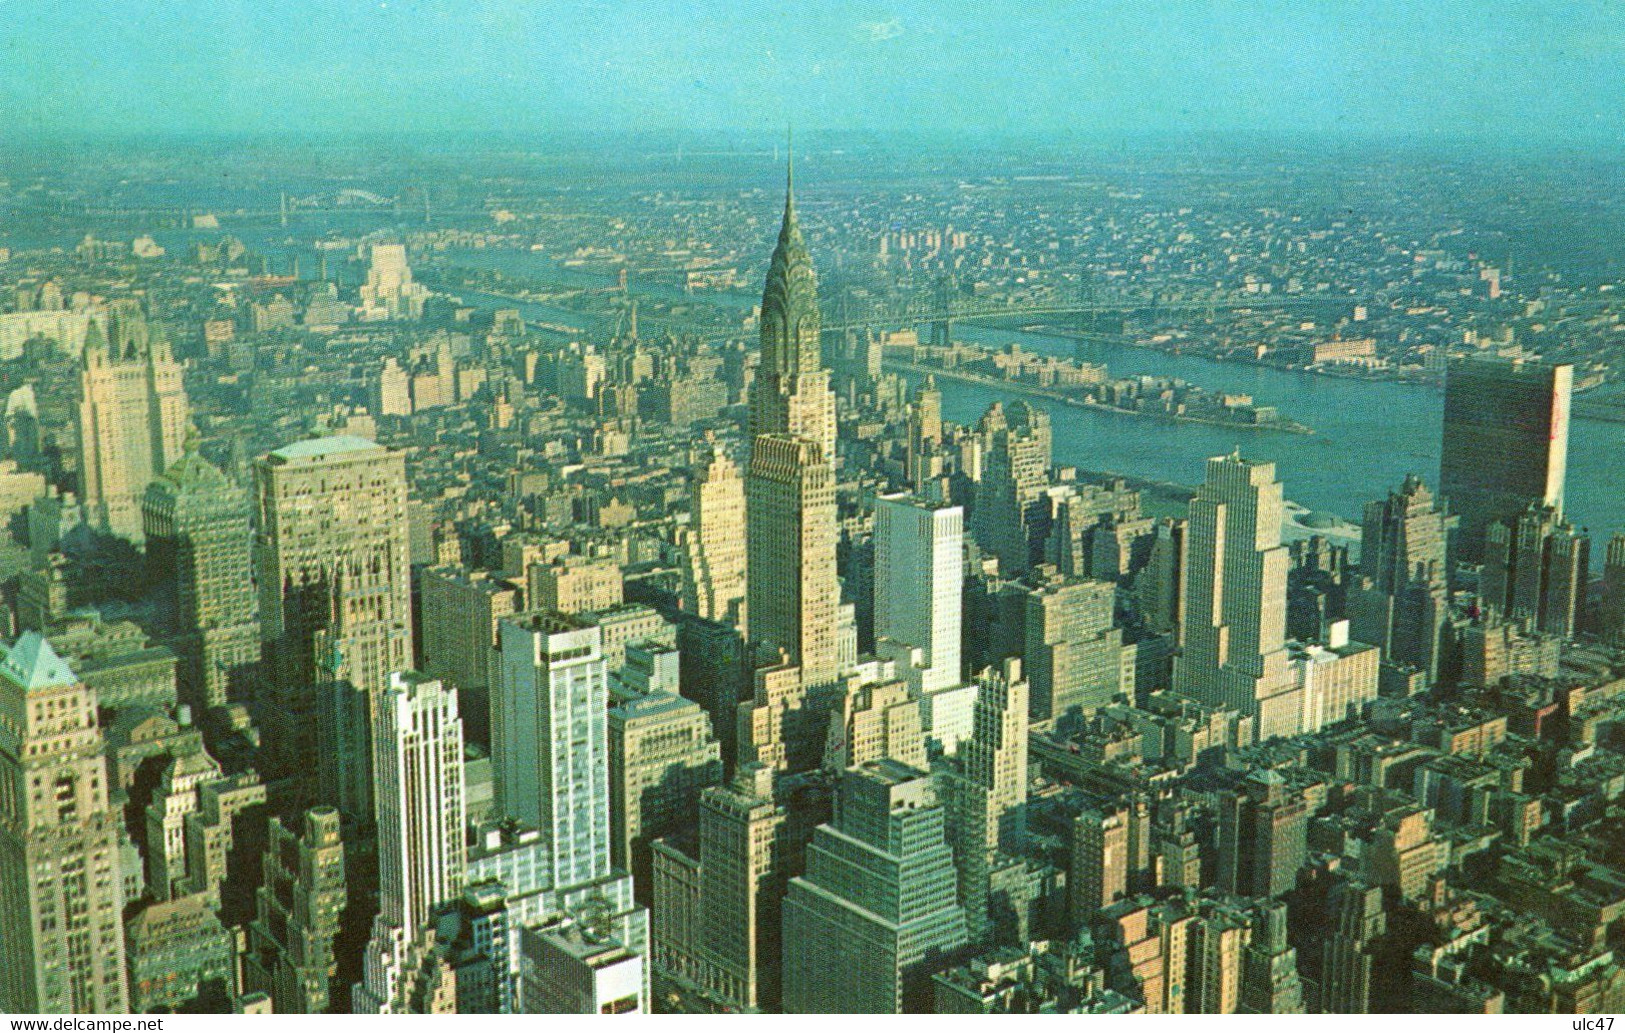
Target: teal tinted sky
x: 1334, y: 67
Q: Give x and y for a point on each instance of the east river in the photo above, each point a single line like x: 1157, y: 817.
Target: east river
x: 1368, y: 434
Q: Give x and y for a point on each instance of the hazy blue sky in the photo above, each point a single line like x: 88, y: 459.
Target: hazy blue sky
x: 1417, y: 67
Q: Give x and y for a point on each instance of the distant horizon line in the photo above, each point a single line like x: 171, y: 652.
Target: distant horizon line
x: 744, y: 140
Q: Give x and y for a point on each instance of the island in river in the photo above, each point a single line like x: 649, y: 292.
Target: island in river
x: 1083, y: 384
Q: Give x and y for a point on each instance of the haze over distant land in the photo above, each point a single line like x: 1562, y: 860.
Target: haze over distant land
x: 1520, y: 71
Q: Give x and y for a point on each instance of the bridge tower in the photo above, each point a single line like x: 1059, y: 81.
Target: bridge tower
x: 942, y: 327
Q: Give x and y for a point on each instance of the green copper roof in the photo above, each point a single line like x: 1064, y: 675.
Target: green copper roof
x: 313, y: 448
x: 33, y: 664
x: 192, y: 472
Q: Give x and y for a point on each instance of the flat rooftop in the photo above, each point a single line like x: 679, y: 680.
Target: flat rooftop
x: 318, y: 448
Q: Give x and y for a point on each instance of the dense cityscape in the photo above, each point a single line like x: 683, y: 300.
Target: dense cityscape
x: 493, y: 580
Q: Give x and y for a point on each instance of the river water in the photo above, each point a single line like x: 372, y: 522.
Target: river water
x: 1369, y: 434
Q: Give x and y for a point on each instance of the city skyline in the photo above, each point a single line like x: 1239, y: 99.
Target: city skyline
x: 677, y: 574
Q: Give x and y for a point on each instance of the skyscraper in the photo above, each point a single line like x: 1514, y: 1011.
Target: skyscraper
x: 418, y: 764
x: 791, y: 393
x: 1269, y: 981
x: 878, y: 900
x: 200, y: 549
x: 1403, y: 596
x: 1010, y: 519
x: 331, y: 557
x: 995, y: 756
x: 791, y: 538
x: 550, y: 747
x: 662, y: 756
x: 61, y: 888
x: 742, y: 859
x: 1100, y: 861
x: 1506, y: 443
x: 925, y: 437
x: 1536, y: 570
x: 461, y: 611
x: 1235, y: 610
x: 919, y: 574
x: 550, y: 739
x: 1263, y: 836
x: 291, y: 941
x: 793, y: 595
x: 1072, y: 653
x: 421, y: 813
x: 1611, y: 615
x: 131, y: 410
x: 714, y: 541
x: 390, y: 292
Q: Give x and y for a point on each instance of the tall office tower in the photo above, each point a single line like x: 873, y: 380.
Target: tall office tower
x: 790, y: 394
x: 461, y: 610
x: 880, y: 719
x: 200, y: 548
x: 919, y: 573
x: 714, y: 671
x: 995, y: 756
x: 1010, y: 520
x: 550, y: 739
x: 1270, y: 984
x: 1506, y: 443
x: 1536, y: 570
x: 390, y: 292
x: 225, y: 844
x: 1357, y: 924
x: 1074, y: 658
x: 791, y: 537
x: 290, y: 953
x: 984, y: 797
x: 742, y: 870
x: 1611, y: 617
x: 926, y: 426
x: 1263, y: 836
x: 331, y: 556
x: 1235, y: 600
x: 391, y: 391
x: 878, y: 901
x: 714, y: 542
x: 421, y: 813
x: 1100, y: 862
x: 61, y: 888
x: 1216, y: 941
x: 132, y: 415
x: 1158, y: 588
x: 1153, y: 941
x: 1404, y: 595
x: 662, y: 756
x: 418, y: 765
x: 925, y: 459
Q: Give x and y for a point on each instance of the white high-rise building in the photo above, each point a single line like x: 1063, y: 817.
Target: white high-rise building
x: 421, y: 805
x: 422, y: 812
x: 714, y: 541
x: 550, y: 747
x: 919, y: 574
x: 550, y: 738
x: 131, y: 415
x: 390, y: 292
x: 1235, y: 616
